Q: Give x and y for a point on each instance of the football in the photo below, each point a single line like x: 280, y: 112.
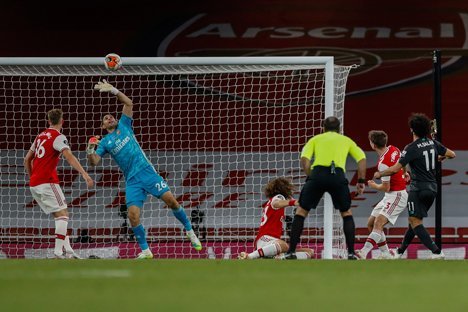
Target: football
x: 113, y: 61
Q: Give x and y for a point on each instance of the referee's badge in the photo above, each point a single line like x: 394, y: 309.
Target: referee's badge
x: 118, y: 132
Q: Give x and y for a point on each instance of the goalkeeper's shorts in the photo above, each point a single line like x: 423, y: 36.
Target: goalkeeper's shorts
x: 145, y: 182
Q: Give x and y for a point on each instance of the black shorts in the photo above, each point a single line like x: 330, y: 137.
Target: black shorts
x: 321, y: 180
x: 419, y: 203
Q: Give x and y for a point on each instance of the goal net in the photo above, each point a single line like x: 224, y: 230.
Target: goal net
x: 216, y: 132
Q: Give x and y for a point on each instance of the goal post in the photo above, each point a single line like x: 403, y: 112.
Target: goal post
x: 217, y: 128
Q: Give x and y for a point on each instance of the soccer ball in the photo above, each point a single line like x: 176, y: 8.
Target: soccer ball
x: 113, y: 61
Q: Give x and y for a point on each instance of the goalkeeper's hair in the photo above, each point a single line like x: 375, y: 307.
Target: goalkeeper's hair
x: 279, y: 186
x: 420, y: 124
x: 378, y: 137
x: 54, y: 116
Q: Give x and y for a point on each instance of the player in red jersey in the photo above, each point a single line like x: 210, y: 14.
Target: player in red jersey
x: 395, y: 198
x: 41, y: 165
x: 268, y: 242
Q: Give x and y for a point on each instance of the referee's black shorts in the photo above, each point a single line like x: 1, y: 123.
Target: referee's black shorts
x: 321, y: 180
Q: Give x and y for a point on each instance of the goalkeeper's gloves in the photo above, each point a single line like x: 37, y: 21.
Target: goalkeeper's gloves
x: 104, y: 86
x: 92, y: 143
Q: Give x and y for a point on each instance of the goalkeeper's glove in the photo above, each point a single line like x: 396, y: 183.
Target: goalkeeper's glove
x: 92, y: 143
x: 104, y: 86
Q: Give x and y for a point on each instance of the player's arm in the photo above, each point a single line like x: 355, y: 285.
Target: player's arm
x: 383, y: 187
x: 389, y: 171
x: 104, y: 86
x: 93, y: 158
x: 281, y: 203
x: 28, y: 162
x: 306, y: 156
x: 68, y: 155
x: 448, y: 154
x: 358, y: 154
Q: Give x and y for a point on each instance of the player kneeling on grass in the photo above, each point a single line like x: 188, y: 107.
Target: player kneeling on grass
x: 395, y: 198
x: 268, y: 241
x: 141, y: 178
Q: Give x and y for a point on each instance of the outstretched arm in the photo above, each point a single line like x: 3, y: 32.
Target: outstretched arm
x: 104, y: 86
x: 281, y: 203
x: 76, y: 164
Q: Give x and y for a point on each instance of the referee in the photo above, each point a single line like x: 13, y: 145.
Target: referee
x: 329, y: 151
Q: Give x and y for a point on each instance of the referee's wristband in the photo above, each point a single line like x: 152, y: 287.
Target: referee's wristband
x: 361, y: 180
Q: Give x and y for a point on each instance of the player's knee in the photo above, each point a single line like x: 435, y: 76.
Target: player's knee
x: 283, y: 246
x: 346, y: 213
x: 302, y: 212
x: 414, y: 222
x: 134, y: 215
x: 370, y: 224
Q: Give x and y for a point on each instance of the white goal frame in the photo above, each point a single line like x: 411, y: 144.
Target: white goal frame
x: 326, y: 61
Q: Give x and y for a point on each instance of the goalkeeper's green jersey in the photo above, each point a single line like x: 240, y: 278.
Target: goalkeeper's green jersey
x: 331, y: 146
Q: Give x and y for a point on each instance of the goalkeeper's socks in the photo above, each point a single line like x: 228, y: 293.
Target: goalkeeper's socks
x: 349, y: 231
x: 426, y: 239
x: 180, y: 215
x: 296, y: 231
x: 140, y: 236
x: 61, y: 224
x: 409, y: 235
x: 267, y: 251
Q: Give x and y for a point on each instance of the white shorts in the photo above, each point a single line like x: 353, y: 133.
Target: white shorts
x: 265, y: 240
x: 391, y: 205
x: 49, y: 196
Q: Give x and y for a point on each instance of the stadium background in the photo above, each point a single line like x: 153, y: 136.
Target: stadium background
x: 393, y: 80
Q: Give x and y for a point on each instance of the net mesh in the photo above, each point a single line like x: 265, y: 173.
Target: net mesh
x: 217, y: 134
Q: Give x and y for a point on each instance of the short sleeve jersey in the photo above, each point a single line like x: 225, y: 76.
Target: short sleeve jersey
x: 124, y: 148
x: 421, y: 156
x: 331, y: 146
x: 389, y: 158
x: 47, y: 148
x: 272, y: 220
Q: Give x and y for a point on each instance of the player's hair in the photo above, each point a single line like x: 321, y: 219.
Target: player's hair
x: 54, y: 116
x: 378, y: 137
x: 420, y: 124
x: 279, y: 186
x: 331, y: 124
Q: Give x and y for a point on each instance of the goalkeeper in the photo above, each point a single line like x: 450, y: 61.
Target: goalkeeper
x: 140, y: 176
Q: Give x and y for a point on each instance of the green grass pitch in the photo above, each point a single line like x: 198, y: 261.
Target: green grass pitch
x: 221, y: 285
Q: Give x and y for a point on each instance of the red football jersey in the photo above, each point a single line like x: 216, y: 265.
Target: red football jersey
x: 272, y: 220
x: 47, y: 148
x: 388, y: 159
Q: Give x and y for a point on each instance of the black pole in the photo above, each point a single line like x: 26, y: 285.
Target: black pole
x: 438, y: 136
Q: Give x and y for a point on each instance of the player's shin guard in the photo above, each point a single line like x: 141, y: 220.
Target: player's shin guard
x: 180, y: 215
x: 296, y: 231
x: 349, y: 231
x: 61, y: 224
x: 140, y: 236
x: 267, y: 251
